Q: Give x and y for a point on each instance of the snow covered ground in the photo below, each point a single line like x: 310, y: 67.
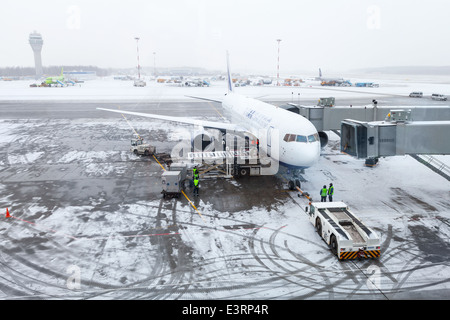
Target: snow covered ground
x: 89, y: 222
x: 154, y: 249
x: 108, y: 89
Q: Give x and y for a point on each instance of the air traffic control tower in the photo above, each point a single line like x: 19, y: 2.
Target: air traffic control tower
x: 36, y: 43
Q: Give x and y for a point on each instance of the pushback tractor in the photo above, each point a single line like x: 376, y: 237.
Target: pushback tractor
x: 346, y: 235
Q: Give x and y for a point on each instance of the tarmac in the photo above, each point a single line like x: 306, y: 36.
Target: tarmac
x: 88, y: 221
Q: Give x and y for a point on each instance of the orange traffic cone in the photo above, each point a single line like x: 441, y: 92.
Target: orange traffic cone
x: 7, y: 213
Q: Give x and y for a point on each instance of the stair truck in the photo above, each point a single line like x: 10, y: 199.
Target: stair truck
x: 346, y: 235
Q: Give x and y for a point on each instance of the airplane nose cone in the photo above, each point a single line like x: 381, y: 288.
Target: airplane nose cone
x: 303, y: 155
x: 311, y: 154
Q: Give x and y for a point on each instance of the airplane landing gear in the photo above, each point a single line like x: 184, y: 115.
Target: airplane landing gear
x: 293, y: 183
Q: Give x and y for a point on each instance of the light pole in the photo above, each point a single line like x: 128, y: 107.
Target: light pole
x: 138, y: 66
x: 278, y: 66
x: 154, y: 64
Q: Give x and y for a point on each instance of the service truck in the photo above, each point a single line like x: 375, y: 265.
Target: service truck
x: 346, y: 235
x: 139, y: 147
x: 171, y: 184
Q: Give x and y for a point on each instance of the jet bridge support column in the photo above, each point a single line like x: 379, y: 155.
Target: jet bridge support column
x: 377, y: 139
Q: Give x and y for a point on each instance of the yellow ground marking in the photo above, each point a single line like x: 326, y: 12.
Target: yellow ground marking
x: 130, y: 125
x: 159, y: 163
x: 193, y: 206
x: 189, y: 200
x: 184, y: 194
x: 216, y: 110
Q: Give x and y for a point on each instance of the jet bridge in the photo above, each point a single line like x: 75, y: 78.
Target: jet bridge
x: 329, y: 118
x: 397, y: 135
x: 326, y: 118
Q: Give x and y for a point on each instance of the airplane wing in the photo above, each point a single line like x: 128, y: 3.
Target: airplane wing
x: 206, y: 99
x: 230, y: 127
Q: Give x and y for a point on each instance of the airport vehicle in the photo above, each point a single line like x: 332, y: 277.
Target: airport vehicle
x: 337, y: 83
x: 416, y: 94
x: 367, y: 84
x: 234, y: 162
x: 329, y: 83
x: 139, y: 83
x: 171, y: 184
x: 263, y: 122
x: 182, y: 168
x: 326, y: 102
x: 346, y: 83
x: 196, y: 82
x: 139, y: 147
x: 438, y: 97
x: 347, y: 236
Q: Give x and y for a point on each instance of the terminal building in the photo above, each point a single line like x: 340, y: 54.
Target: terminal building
x: 80, y: 75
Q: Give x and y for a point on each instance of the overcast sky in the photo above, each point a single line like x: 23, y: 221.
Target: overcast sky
x: 333, y: 35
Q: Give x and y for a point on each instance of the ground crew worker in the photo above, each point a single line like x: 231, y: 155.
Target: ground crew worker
x: 196, y: 186
x: 330, y: 192
x: 323, y: 194
x: 195, y: 173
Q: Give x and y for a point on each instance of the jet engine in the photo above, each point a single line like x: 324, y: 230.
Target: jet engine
x: 323, y: 139
x: 207, y: 140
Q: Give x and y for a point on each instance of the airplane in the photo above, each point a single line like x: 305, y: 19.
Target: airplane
x: 196, y: 82
x: 56, y: 80
x: 321, y: 78
x: 332, y: 81
x: 298, y: 141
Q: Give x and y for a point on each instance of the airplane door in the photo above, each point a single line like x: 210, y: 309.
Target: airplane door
x: 269, y: 141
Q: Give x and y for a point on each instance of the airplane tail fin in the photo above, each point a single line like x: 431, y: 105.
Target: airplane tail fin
x: 320, y: 73
x: 230, y: 82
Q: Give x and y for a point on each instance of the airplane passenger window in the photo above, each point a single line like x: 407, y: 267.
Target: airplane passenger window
x: 301, y: 139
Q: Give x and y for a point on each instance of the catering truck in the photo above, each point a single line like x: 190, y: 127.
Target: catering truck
x: 346, y: 235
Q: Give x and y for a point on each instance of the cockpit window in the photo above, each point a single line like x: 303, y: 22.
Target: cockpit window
x: 312, y: 138
x: 298, y: 138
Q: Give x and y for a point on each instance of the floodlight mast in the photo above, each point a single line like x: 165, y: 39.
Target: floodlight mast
x: 138, y: 65
x: 278, y: 65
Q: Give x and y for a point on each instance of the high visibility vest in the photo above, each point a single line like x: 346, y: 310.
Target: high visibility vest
x: 196, y: 182
x: 324, y: 192
x: 331, y: 191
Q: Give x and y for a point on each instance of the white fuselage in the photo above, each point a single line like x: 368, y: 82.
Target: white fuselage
x: 297, y: 142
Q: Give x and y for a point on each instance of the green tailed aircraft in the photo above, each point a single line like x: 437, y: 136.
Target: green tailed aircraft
x: 53, y: 80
